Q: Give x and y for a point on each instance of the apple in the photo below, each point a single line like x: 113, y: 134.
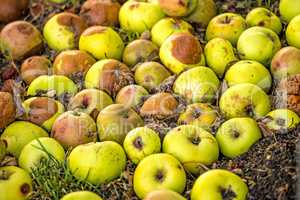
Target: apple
x: 286, y: 62
x: 101, y: 42
x: 97, y: 163
x: 11, y: 10
x: 219, y: 54
x: 199, y: 84
x: 199, y: 114
x: 140, y: 143
x: 20, y: 133
x: 3, y: 147
x: 236, y: 136
x: 57, y: 1
x: 158, y: 171
x: 177, y: 8
x: 41, y: 148
x: 115, y: 121
x: 81, y: 195
x: 259, y: 44
x: 289, y: 9
x: 8, y: 109
x: 150, y: 74
x: 138, y: 16
x: 181, y: 51
x: 131, y: 95
x: 249, y: 71
x: 15, y: 183
x: 228, y: 26
x: 164, y: 194
x: 292, y: 32
x: 219, y: 184
x: 62, y: 31
x: 192, y: 146
x: 42, y: 111
x: 166, y: 27
x: 282, y: 119
x: 263, y: 17
x: 244, y: 100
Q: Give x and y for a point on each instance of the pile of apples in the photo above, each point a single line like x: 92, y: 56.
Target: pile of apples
x: 95, y: 96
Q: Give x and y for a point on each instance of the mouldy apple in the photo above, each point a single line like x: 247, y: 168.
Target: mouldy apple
x: 166, y: 27
x: 176, y: 8
x: 74, y: 128
x: 282, y: 119
x: 219, y: 55
x: 217, y: 184
x: 42, y: 111
x: 181, y: 51
x: 199, y: 84
x: 150, y: 75
x: 228, y: 26
x: 164, y: 194
x: 63, y: 30
x: 81, y: 195
x: 131, y: 95
x: 289, y: 9
x: 11, y: 10
x: 8, y: 109
x: 38, y: 149
x: 293, y: 32
x: 140, y: 143
x: 15, y: 183
x: 249, y: 71
x: 259, y: 44
x: 244, y: 100
x: 102, y: 163
x: 158, y: 171
x: 237, y: 135
x: 139, y: 16
x: 20, y: 39
x: 20, y: 133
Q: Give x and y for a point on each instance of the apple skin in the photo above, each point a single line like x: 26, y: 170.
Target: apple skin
x: 244, y: 100
x: 158, y: 171
x: 236, y: 136
x: 286, y: 62
x: 164, y: 195
x: 259, y: 44
x: 15, y: 183
x: 293, y: 32
x: 140, y: 143
x: 97, y: 163
x: 8, y: 109
x: 192, y: 146
x: 289, y: 9
x: 11, y: 10
x: 248, y: 71
x: 199, y: 84
x: 228, y: 26
x: 35, y: 150
x: 20, y: 133
x: 176, y: 8
x: 131, y: 95
x: 3, y: 147
x: 181, y: 51
x: 207, y: 186
x: 263, y: 17
x: 138, y: 16
x: 94, y: 41
x: 81, y: 195
x: 166, y: 27
x: 282, y: 119
x: 219, y: 54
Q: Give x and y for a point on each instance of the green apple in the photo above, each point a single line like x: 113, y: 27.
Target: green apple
x: 115, y: 121
x: 181, y: 51
x: 219, y: 54
x: 199, y: 84
x: 286, y: 62
x: 42, y: 111
x: 131, y: 95
x: 164, y: 195
x: 289, y: 9
x: 140, y: 143
x: 57, y: 1
x: 265, y: 18
x: 236, y: 136
x: 97, y: 163
x: 62, y: 31
x: 218, y: 184
x: 139, y: 16
x: 166, y: 27
x: 101, y: 42
x: 81, y: 195
x: 292, y: 32
x: 228, y: 26
x: 3, y: 147
x: 199, y: 114
x: 192, y: 146
x: 282, y: 119
x: 259, y: 44
x: 15, y: 183
x: 20, y: 133
x: 248, y: 71
x: 150, y: 74
x: 41, y: 148
x: 244, y: 100
x: 158, y: 171
x: 177, y: 8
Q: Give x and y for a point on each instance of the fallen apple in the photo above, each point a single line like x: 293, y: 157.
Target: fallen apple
x: 292, y: 32
x: 8, y: 109
x: 3, y: 147
x: 289, y: 9
x: 177, y: 8
x: 131, y: 95
x: 282, y: 119
x: 11, y: 10
x: 164, y: 194
x: 81, y: 195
